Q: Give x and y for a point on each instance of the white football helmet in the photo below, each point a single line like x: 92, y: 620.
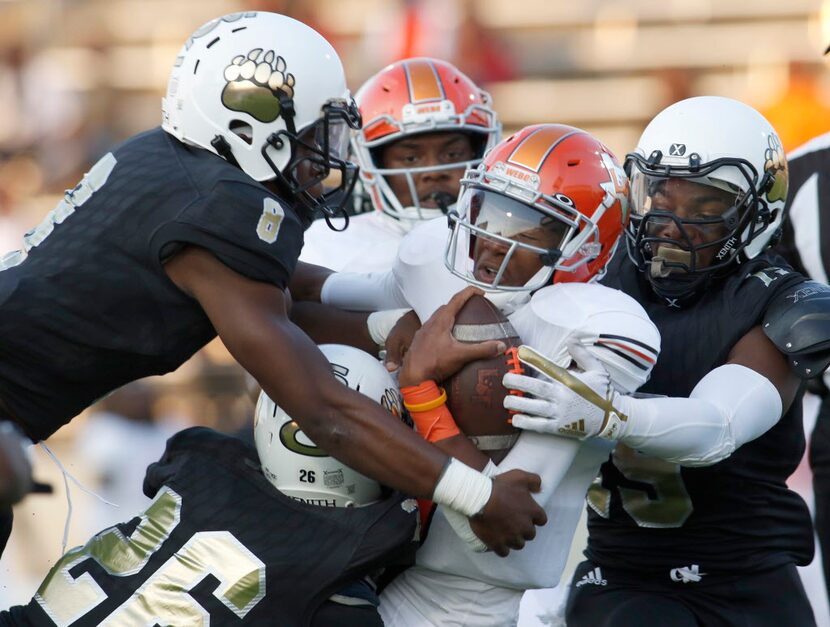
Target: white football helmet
x: 254, y: 87
x: 304, y: 471
x: 731, y: 156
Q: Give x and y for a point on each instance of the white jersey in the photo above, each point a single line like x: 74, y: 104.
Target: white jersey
x: 451, y: 584
x: 613, y: 326
x: 369, y: 244
x: 418, y: 278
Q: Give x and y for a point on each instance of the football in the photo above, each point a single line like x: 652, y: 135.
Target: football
x: 475, y: 393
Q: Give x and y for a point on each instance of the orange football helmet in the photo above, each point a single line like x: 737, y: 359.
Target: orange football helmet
x: 549, y: 189
x: 418, y: 95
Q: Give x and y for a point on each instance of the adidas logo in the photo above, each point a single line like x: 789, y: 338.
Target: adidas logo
x: 687, y: 574
x: 594, y: 578
x: 577, y: 427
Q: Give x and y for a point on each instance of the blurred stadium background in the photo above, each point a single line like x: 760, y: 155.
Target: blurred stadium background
x: 77, y: 76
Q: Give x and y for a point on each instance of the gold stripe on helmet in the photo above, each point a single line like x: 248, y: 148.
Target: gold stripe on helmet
x: 423, y: 81
x: 535, y: 148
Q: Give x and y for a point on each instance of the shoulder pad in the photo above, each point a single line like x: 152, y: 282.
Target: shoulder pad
x: 583, y: 300
x: 424, y: 244
x: 419, y: 269
x: 797, y: 321
x: 612, y: 325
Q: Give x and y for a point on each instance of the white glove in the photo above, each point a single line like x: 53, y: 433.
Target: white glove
x: 579, y: 405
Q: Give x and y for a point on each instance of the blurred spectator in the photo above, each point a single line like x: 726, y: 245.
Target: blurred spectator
x: 20, y: 179
x: 209, y: 389
x: 117, y: 442
x: 803, y: 111
x: 302, y: 10
x: 226, y: 404
x: 444, y: 29
x: 678, y: 84
x: 481, y: 53
x: 14, y: 136
x: 41, y: 111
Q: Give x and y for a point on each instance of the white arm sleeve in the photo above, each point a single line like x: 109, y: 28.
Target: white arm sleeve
x: 548, y: 456
x: 372, y: 291
x: 730, y: 406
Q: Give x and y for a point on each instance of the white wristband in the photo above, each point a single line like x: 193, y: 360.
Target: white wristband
x: 461, y: 524
x: 380, y: 324
x: 462, y: 488
x: 490, y: 470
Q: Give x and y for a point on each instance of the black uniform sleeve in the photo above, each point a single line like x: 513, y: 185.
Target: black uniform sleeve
x: 247, y: 229
x: 758, y: 283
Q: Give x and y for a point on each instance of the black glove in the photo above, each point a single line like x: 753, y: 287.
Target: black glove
x: 15, y: 468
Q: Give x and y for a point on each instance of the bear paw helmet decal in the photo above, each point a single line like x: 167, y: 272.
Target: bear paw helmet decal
x: 255, y: 83
x: 775, y: 164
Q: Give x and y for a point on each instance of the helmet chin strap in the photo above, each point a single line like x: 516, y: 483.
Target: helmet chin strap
x: 510, y: 301
x: 223, y: 149
x: 409, y: 217
x: 670, y: 281
x: 443, y: 199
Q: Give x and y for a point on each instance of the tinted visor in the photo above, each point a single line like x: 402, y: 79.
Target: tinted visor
x: 320, y: 172
x: 510, y: 220
x: 333, y: 138
x: 686, y: 224
x: 703, y: 209
x: 509, y: 245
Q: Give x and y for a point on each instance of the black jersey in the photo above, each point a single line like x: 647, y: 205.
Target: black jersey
x: 218, y: 541
x: 87, y: 307
x: 649, y: 514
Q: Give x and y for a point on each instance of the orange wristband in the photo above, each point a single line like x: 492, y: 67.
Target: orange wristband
x: 414, y: 395
x: 434, y: 422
